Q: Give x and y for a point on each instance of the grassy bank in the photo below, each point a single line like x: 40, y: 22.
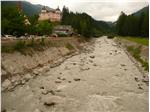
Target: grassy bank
x: 26, y: 46
x: 140, y: 40
x: 135, y: 52
x: 134, y: 46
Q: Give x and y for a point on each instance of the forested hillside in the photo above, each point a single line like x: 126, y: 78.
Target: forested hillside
x: 136, y: 24
x: 85, y: 24
x: 28, y: 8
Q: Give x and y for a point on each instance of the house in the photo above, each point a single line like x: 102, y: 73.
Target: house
x: 54, y: 15
x: 63, y: 29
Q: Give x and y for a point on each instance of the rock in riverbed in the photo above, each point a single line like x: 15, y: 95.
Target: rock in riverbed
x: 58, y: 81
x: 6, y: 84
x: 51, y: 101
x: 27, y: 76
x: 92, y: 56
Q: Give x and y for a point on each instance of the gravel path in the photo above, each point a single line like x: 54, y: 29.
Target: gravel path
x: 103, y: 79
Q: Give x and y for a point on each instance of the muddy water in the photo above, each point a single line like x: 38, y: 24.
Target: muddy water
x: 101, y: 80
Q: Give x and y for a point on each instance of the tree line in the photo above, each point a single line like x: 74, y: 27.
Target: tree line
x: 84, y: 24
x: 133, y: 25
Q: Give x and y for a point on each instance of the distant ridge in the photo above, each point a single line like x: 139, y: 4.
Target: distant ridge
x: 143, y: 10
x: 28, y: 8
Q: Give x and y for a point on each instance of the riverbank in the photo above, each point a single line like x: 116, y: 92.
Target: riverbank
x: 101, y: 79
x: 137, y: 48
x: 20, y: 66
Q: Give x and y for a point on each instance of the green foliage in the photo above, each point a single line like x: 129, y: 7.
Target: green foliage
x: 28, y: 8
x: 140, y: 40
x: 19, y: 45
x: 12, y: 21
x: 44, y: 28
x: 69, y: 46
x: 42, y: 41
x: 31, y: 43
x: 62, y: 35
x: 132, y: 25
x: 32, y: 27
x: 135, y: 52
x: 84, y: 24
x: 6, y: 49
x: 110, y: 36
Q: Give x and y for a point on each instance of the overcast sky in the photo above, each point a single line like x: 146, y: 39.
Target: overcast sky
x: 107, y: 10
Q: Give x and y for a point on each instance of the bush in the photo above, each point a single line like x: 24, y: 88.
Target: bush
x: 44, y: 28
x: 42, y: 41
x: 135, y: 52
x: 110, y: 37
x: 31, y: 44
x: 62, y: 35
x: 6, y: 49
x: 69, y: 46
x: 19, y: 45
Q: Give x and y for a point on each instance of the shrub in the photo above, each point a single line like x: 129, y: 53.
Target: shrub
x: 19, y: 45
x: 110, y: 37
x: 135, y: 52
x: 31, y: 43
x: 62, y: 35
x: 6, y: 49
x: 69, y: 46
x: 42, y: 41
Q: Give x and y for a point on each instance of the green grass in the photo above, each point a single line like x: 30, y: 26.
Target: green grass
x: 140, y: 40
x: 69, y: 46
x: 28, y: 46
x: 23, y: 46
x: 135, y: 52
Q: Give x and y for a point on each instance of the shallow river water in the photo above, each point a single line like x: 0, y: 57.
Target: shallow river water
x: 101, y: 80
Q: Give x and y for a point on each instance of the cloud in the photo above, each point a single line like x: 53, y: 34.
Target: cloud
x: 107, y: 10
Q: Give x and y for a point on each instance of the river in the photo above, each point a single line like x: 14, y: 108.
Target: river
x: 104, y: 79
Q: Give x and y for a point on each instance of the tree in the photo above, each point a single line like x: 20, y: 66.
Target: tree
x: 133, y: 25
x: 141, y: 18
x: 145, y: 26
x: 120, y: 23
x: 44, y: 28
x: 13, y: 21
x: 33, y: 22
x: 81, y: 22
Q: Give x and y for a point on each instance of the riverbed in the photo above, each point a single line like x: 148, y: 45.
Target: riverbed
x: 101, y: 79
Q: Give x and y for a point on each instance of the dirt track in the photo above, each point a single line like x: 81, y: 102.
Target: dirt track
x: 101, y: 80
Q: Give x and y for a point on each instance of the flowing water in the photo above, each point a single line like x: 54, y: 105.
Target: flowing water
x: 101, y: 80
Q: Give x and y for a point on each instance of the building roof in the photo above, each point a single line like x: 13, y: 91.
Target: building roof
x: 58, y: 8
x: 44, y: 8
x: 63, y: 27
x: 49, y: 9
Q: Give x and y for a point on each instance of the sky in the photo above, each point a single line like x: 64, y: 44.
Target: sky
x: 107, y: 10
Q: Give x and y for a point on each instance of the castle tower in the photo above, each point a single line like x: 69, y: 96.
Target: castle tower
x: 58, y: 8
x: 44, y: 10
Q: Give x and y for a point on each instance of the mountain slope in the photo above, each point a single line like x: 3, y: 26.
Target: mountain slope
x: 28, y: 8
x: 136, y: 24
x: 143, y: 10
